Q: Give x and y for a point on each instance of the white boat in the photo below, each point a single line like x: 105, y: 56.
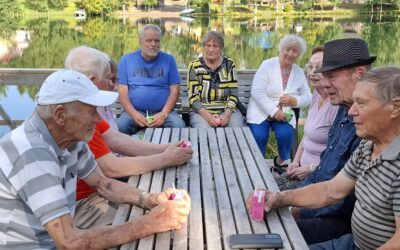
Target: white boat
x: 187, y: 11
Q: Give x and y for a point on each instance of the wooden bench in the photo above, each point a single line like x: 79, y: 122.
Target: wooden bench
x: 245, y: 79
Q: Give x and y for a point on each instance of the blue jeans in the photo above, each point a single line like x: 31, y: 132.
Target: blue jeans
x: 316, y: 230
x: 284, y: 134
x: 346, y: 242
x: 128, y: 126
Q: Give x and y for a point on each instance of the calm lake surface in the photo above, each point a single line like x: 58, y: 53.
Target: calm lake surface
x: 44, y: 43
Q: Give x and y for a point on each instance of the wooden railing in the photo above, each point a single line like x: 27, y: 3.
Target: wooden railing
x: 19, y: 76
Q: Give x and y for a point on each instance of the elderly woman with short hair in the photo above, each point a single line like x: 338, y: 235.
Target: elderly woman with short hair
x: 278, y: 86
x: 212, y: 87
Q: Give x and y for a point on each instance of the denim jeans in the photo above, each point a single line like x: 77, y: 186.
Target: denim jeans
x: 128, y: 126
x: 284, y: 135
x: 346, y: 242
x: 316, y: 230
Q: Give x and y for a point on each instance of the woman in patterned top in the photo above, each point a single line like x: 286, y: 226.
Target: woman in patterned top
x: 213, y: 88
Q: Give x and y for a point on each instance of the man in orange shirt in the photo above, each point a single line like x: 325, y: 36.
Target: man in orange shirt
x: 139, y: 156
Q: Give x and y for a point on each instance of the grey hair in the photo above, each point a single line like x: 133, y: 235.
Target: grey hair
x: 88, y: 61
x: 292, y: 38
x: 151, y: 27
x: 214, y: 35
x: 46, y: 111
x: 386, y: 81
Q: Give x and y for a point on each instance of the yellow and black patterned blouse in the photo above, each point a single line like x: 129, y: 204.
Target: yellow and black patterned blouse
x: 214, y: 90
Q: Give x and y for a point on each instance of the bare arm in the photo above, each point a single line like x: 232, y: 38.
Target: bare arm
x: 394, y: 242
x: 128, y: 107
x: 126, y: 145
x: 114, y: 167
x: 166, y: 216
x: 313, y: 196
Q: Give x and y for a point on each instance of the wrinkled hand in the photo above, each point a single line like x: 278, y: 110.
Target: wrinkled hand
x: 224, y: 118
x: 291, y: 167
x: 287, y: 101
x: 176, y: 155
x: 168, y: 215
x: 158, y: 120
x: 279, y: 116
x: 212, y: 120
x: 300, y: 173
x: 272, y: 200
x: 140, y: 119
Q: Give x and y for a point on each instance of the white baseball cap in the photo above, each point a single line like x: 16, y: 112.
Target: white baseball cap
x: 68, y: 86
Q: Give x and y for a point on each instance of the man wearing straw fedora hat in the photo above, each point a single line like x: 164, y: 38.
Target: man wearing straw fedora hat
x: 345, y: 61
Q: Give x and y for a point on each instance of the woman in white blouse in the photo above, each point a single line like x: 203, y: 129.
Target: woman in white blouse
x: 278, y: 86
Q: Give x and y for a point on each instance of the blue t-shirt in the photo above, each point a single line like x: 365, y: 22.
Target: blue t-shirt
x: 148, y: 81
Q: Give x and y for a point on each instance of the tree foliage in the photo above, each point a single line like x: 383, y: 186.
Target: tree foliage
x: 99, y: 7
x: 46, y: 5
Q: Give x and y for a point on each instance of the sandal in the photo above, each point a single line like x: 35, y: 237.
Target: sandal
x: 278, y: 168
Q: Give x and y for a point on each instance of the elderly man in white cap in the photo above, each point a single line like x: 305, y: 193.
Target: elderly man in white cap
x: 41, y: 161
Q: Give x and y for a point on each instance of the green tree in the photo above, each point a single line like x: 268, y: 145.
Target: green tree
x: 150, y: 3
x: 9, y: 17
x: 99, y: 7
x: 37, y: 5
x: 57, y: 4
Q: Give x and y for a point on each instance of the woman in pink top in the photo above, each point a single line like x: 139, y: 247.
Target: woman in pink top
x: 319, y: 119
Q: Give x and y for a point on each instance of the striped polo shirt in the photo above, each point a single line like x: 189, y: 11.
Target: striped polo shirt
x: 37, y: 183
x: 378, y: 193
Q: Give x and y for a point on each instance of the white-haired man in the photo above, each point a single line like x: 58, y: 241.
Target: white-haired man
x: 148, y: 83
x: 138, y: 156
x: 41, y: 161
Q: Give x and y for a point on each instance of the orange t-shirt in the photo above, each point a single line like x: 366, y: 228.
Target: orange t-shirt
x: 99, y: 148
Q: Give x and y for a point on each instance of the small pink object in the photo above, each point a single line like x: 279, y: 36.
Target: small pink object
x: 176, y: 196
x: 257, y: 205
x: 185, y: 144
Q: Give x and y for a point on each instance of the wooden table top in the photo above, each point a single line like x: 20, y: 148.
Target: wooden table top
x: 225, y: 168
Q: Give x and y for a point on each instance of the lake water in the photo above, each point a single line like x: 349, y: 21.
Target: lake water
x: 44, y: 43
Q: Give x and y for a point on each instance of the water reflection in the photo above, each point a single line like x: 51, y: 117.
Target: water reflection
x: 44, y: 43
x: 248, y: 40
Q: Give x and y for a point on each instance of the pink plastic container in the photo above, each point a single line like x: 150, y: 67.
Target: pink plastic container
x: 257, y: 205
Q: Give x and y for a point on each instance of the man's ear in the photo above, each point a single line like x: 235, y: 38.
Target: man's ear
x: 59, y: 114
x: 360, y: 71
x: 395, y: 107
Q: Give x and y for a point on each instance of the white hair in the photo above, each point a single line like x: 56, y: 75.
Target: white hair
x: 88, y: 61
x: 151, y: 27
x: 292, y: 38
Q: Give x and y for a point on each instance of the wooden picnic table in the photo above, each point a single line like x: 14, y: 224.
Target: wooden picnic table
x: 225, y: 168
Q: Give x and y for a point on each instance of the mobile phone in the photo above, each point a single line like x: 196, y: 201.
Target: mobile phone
x: 255, y: 241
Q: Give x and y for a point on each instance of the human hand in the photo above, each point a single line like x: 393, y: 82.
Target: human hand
x: 279, y: 116
x: 158, y: 120
x: 176, y: 155
x: 291, y: 167
x: 140, y: 119
x: 168, y: 215
x: 224, y: 118
x: 301, y: 173
x: 272, y: 200
x: 287, y: 101
x: 212, y: 120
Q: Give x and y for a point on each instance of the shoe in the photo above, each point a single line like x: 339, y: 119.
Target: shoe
x: 278, y: 168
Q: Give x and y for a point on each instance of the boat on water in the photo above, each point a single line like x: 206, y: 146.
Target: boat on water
x: 187, y: 11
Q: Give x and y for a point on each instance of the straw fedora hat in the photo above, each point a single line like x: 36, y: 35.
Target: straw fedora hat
x: 344, y: 53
